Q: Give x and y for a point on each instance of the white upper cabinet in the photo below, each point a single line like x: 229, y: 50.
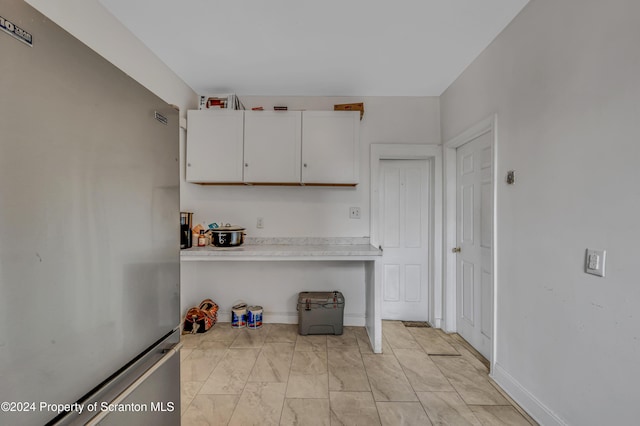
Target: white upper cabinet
x: 272, y: 142
x: 330, y: 147
x: 214, y: 146
x: 273, y: 147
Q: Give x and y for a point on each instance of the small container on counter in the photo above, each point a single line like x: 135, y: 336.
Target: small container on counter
x: 186, y: 236
x: 202, y: 239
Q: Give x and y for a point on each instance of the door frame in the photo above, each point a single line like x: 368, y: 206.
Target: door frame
x: 433, y: 154
x: 450, y: 217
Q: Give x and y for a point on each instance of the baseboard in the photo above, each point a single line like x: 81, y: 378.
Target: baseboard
x: 269, y: 317
x: 351, y: 320
x: 536, y: 409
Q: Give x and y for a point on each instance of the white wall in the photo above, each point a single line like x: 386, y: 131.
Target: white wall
x: 90, y: 22
x: 317, y: 211
x: 564, y: 78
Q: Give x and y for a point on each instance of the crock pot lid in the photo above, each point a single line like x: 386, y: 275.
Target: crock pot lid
x: 228, y: 229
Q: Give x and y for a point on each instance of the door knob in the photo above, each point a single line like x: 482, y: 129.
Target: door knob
x: 456, y: 250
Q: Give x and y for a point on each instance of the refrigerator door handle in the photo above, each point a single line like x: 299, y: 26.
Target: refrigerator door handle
x: 168, y: 353
x: 173, y: 348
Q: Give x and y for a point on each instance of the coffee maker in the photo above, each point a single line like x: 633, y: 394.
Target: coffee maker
x: 186, y: 221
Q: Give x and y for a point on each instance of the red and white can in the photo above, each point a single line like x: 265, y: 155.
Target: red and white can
x: 254, y: 317
x: 239, y: 316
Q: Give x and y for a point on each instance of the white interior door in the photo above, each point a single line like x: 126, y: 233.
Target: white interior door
x: 404, y: 222
x: 475, y: 240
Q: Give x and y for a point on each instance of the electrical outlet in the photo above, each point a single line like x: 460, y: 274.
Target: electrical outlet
x: 594, y: 262
x: 354, y: 213
x: 259, y: 223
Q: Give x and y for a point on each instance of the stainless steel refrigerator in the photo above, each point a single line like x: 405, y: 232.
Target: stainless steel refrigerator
x: 89, y: 235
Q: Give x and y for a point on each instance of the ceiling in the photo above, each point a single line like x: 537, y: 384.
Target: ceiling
x: 317, y: 48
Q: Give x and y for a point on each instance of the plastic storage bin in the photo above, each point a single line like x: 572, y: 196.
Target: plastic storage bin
x: 320, y: 312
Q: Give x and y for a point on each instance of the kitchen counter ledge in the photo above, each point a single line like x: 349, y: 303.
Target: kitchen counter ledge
x: 288, y: 249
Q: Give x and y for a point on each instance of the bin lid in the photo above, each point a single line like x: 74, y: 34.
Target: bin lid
x: 320, y: 297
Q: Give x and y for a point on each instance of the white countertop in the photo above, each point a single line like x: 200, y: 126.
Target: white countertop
x: 308, y: 249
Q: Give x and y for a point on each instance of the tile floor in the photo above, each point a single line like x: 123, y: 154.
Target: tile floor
x: 273, y: 376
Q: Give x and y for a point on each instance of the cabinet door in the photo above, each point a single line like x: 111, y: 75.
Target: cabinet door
x: 214, y: 146
x: 272, y: 146
x: 330, y: 147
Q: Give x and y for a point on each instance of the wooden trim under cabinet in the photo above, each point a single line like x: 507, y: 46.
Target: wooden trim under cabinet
x: 275, y: 184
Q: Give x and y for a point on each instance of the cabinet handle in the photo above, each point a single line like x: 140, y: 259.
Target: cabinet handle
x: 305, y: 164
x: 246, y: 164
x: 188, y: 164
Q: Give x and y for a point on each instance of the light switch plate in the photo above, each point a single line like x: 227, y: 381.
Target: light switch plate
x: 354, y: 212
x: 594, y: 262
